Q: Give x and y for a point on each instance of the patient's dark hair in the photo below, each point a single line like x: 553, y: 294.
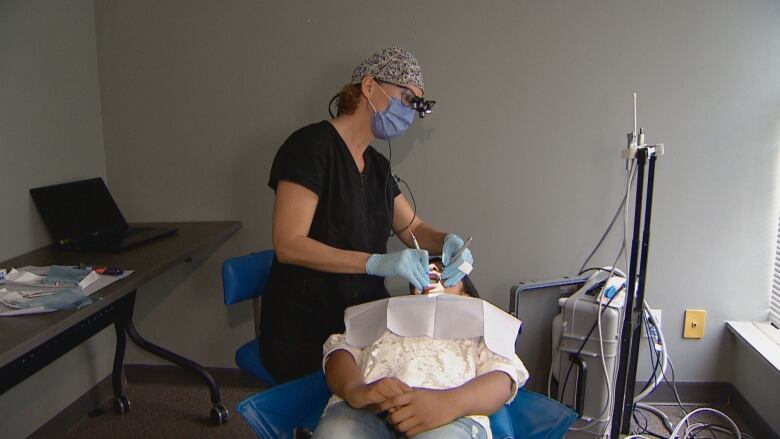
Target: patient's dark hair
x: 468, y: 287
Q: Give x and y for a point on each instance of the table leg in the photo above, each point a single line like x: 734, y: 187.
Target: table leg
x: 219, y: 414
x: 121, y: 403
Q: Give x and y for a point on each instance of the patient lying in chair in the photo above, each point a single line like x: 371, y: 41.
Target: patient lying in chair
x: 431, y: 365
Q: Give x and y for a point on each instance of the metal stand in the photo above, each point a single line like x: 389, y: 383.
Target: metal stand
x: 630, y: 337
x: 124, y: 325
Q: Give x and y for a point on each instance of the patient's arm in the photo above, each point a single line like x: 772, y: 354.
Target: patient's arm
x: 483, y: 395
x: 423, y: 409
x: 345, y: 379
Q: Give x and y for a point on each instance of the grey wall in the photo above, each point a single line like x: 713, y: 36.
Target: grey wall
x: 50, y: 132
x: 50, y: 125
x: 534, y: 103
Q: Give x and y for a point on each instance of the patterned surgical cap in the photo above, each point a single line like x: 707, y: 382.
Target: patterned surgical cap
x: 393, y: 65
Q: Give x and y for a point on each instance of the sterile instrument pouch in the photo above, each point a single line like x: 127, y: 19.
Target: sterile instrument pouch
x: 65, y: 276
x: 69, y: 298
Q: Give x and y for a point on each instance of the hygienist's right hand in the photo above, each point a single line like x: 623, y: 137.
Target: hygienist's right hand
x: 369, y: 396
x: 412, y: 264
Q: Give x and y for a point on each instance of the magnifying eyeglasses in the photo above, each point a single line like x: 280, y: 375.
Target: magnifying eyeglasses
x: 417, y: 103
x: 422, y: 106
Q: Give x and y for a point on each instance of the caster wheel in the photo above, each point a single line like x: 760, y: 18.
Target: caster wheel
x: 121, y: 404
x: 302, y: 433
x: 219, y: 414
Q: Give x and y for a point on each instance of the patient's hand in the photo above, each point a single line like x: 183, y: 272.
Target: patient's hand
x: 421, y: 410
x: 369, y: 396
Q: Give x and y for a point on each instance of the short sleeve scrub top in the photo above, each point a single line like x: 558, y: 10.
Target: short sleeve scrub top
x: 301, y: 307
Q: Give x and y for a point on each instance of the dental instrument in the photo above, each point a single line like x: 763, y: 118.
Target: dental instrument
x: 462, y: 249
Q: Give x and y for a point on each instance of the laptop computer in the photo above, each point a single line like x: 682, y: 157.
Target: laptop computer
x: 82, y: 215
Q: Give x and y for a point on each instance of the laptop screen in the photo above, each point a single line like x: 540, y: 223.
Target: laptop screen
x: 77, y: 210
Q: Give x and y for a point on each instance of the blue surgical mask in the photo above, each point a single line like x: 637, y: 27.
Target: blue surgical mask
x: 393, y: 121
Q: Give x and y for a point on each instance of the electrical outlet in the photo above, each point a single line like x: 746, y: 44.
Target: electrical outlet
x: 657, y: 313
x: 695, y: 320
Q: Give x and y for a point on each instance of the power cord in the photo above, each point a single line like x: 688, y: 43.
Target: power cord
x: 623, y: 207
x: 387, y: 179
x: 652, y: 382
x: 732, y: 426
x: 653, y: 354
x: 689, y: 430
x: 408, y: 189
x: 414, y: 204
x: 655, y: 357
x: 604, y: 415
x: 597, y: 323
x: 635, y: 414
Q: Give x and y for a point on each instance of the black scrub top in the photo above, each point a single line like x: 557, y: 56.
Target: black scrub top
x: 301, y: 307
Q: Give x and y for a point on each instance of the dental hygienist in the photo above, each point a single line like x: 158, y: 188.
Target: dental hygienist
x: 335, y: 206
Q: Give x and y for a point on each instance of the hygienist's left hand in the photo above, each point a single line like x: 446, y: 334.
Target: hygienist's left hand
x: 421, y: 410
x: 452, y: 273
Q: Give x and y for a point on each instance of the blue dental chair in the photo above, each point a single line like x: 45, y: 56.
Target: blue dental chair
x: 244, y: 278
x: 277, y: 412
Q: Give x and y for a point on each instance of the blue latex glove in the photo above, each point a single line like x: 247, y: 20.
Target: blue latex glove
x: 410, y: 263
x: 451, y: 274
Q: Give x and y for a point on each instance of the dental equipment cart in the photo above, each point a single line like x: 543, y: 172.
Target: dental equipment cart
x: 568, y: 352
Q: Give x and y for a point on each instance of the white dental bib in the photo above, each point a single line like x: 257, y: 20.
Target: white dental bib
x: 439, y: 316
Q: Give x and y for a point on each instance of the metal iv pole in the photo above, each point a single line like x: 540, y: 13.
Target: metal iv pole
x: 630, y: 335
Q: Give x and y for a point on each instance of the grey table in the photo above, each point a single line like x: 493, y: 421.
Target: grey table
x: 28, y: 343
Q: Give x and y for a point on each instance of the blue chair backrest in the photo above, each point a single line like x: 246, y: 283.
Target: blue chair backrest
x: 244, y: 277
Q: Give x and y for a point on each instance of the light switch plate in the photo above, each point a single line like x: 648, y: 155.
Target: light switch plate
x: 695, y: 320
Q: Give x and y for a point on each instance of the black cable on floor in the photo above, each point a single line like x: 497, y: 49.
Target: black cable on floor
x: 634, y: 414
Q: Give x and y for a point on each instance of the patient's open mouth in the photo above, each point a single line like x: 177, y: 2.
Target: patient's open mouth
x: 434, y: 277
